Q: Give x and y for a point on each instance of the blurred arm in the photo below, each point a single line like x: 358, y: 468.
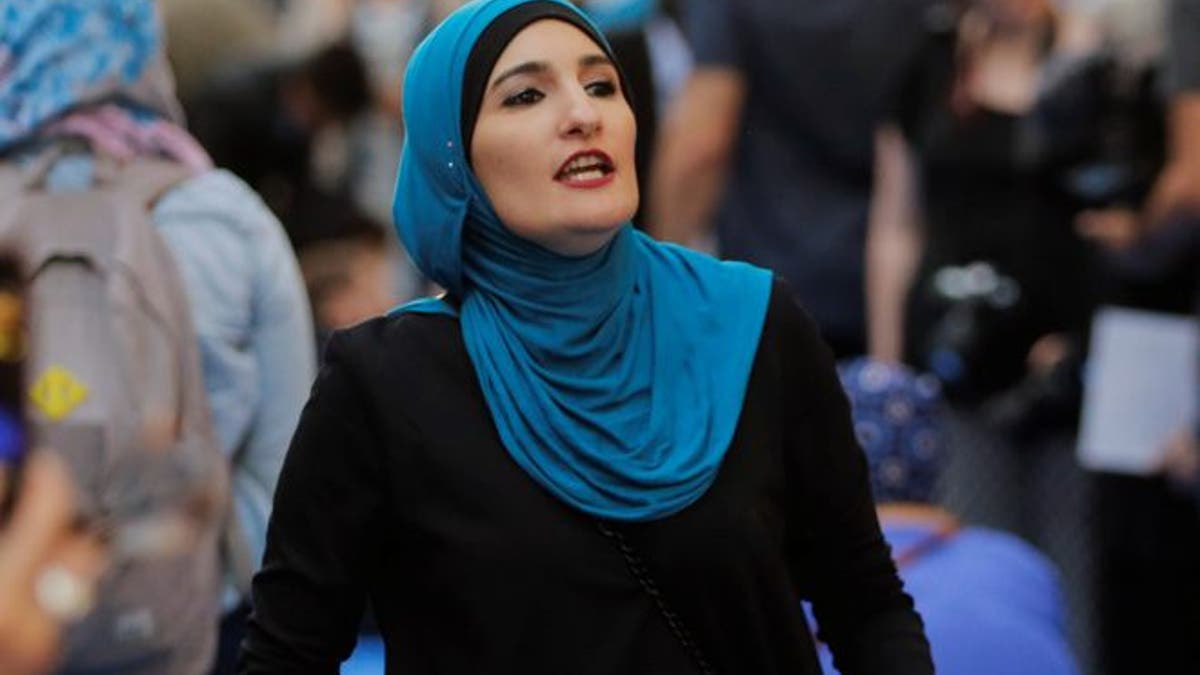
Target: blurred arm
x: 894, y: 244
x: 38, y: 537
x: 282, y: 343
x: 693, y: 154
x: 1178, y: 186
x: 699, y: 131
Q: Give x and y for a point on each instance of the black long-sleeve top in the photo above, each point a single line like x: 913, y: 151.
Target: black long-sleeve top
x: 397, y: 488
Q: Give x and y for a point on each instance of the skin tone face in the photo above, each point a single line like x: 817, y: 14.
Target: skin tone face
x: 553, y: 143
x: 368, y: 292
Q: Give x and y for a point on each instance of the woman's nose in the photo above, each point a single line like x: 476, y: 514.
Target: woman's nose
x: 581, y: 117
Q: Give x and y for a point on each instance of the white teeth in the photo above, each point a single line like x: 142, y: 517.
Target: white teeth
x: 590, y: 174
x: 586, y: 162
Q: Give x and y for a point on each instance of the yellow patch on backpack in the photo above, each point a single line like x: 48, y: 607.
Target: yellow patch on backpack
x: 57, y: 393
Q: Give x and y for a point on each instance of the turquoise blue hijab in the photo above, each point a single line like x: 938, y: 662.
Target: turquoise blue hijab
x: 616, y: 379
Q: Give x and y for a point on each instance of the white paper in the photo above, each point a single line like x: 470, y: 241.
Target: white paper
x: 1140, y: 389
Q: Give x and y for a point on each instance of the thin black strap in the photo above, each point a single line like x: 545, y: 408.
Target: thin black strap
x: 637, y: 568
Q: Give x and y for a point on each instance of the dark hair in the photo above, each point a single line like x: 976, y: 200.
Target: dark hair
x: 330, y: 239
x: 339, y: 78
x: 322, y: 216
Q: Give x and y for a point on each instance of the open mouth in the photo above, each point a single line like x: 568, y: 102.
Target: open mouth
x: 585, y: 167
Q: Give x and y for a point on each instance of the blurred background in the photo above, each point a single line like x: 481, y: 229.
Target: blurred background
x: 1002, y: 194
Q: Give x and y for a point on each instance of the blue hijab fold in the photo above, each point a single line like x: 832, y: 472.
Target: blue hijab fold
x: 616, y: 379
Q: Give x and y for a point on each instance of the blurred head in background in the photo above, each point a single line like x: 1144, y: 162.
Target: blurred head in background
x: 898, y: 421
x: 347, y: 263
x: 329, y: 87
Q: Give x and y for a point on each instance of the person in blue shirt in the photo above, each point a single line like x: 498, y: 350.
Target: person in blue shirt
x: 991, y: 602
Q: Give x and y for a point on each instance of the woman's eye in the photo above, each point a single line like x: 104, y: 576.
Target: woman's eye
x: 524, y: 97
x: 601, y: 89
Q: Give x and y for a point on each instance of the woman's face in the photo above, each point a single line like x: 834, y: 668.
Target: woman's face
x: 553, y: 143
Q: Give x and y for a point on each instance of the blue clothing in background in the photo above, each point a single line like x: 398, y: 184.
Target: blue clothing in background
x: 820, y: 77
x: 898, y: 419
x: 991, y: 603
x: 252, y: 321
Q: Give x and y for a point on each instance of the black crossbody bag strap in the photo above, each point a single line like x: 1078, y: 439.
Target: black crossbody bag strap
x: 637, y: 568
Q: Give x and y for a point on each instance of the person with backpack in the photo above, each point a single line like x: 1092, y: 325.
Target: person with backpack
x: 189, y: 301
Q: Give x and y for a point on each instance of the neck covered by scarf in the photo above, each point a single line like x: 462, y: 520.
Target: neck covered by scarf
x: 616, y: 379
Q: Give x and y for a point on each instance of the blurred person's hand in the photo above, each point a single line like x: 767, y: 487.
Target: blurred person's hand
x: 47, y: 568
x: 1047, y: 353
x: 1181, y: 463
x: 1177, y: 189
x: 1115, y: 229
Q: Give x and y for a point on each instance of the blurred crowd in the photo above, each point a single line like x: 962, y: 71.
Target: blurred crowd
x: 958, y: 186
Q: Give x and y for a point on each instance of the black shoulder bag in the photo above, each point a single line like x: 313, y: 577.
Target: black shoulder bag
x: 637, y: 568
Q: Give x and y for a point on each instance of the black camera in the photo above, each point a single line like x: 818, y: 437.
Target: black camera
x: 971, y: 345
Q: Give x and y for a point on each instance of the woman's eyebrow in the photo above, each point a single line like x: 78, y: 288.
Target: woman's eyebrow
x: 594, y: 60
x: 527, y: 68
x: 536, y: 67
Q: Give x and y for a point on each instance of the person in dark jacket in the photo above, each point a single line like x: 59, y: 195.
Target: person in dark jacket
x: 596, y: 453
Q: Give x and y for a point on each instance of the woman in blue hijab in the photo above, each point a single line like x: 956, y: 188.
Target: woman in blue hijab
x: 595, y: 453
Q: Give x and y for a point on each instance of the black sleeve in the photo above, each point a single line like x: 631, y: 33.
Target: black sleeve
x: 308, y: 598
x: 927, y: 81
x: 839, y: 558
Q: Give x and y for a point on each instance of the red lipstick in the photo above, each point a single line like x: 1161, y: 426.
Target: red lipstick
x: 586, y: 169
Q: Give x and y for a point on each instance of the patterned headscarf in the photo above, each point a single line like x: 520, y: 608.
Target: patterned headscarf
x: 63, y: 60
x: 897, y: 418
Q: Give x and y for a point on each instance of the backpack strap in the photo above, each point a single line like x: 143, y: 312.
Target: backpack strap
x: 12, y: 184
x: 16, y: 178
x: 142, y: 181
